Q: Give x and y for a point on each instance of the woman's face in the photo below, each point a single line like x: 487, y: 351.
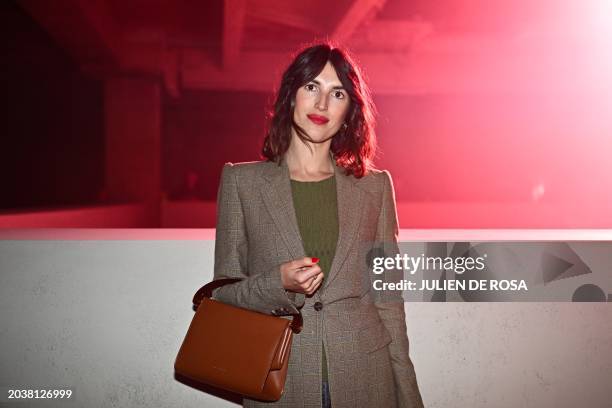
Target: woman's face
x: 321, y: 105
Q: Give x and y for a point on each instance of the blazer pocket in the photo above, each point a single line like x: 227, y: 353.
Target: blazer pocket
x: 372, y: 338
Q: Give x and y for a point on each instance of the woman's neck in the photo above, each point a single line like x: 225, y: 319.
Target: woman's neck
x: 309, y: 165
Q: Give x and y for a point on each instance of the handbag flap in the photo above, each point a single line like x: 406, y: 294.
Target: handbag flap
x: 233, y: 348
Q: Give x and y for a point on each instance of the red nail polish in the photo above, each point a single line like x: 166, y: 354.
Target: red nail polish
x: 314, y: 260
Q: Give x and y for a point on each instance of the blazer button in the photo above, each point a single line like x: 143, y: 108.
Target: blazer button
x: 318, y: 306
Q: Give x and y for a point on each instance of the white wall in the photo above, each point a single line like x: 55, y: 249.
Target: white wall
x: 106, y: 319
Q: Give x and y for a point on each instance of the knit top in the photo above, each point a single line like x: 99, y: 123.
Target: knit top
x: 316, y: 210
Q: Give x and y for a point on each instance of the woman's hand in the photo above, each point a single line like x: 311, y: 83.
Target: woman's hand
x: 301, y: 275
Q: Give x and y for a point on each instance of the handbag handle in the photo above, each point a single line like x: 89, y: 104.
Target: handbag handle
x: 206, y: 292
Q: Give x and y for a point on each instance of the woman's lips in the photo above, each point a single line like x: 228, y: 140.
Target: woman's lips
x: 318, y: 120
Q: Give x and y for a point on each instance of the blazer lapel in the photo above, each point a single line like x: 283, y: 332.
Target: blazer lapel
x: 278, y: 199
x: 349, y: 198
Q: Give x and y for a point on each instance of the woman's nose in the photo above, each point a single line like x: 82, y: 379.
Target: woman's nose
x: 321, y: 103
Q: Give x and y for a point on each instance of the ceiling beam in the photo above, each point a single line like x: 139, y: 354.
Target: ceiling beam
x: 391, y: 35
x: 295, y: 14
x: 359, y: 12
x: 84, y: 28
x: 98, y: 17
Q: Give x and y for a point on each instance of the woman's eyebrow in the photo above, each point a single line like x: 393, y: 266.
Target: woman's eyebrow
x: 334, y: 87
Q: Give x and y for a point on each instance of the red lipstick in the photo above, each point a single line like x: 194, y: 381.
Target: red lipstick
x: 317, y: 119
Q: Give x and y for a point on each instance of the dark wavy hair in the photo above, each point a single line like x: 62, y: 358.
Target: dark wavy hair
x: 354, y: 145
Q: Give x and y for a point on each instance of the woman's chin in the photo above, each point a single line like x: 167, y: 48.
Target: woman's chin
x: 319, y: 137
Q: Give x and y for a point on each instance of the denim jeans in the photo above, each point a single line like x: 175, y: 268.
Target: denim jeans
x: 326, y: 398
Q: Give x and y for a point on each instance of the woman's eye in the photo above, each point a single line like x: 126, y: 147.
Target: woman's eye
x: 310, y: 87
x: 339, y: 95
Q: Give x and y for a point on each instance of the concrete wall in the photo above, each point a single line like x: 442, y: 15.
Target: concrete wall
x: 106, y: 318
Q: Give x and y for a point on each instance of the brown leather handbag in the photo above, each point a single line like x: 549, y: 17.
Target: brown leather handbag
x: 235, y: 349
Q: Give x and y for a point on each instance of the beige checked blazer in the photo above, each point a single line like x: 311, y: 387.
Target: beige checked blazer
x: 364, y: 333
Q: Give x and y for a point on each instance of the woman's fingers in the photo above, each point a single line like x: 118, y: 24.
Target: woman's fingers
x: 304, y: 263
x: 314, y: 284
x: 305, y: 277
x: 300, y: 275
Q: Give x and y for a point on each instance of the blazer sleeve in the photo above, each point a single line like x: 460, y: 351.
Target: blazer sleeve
x: 262, y: 292
x: 390, y: 304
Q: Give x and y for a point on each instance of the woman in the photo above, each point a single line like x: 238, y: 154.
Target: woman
x: 298, y: 227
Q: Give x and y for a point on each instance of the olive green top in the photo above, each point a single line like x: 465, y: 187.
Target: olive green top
x: 316, y: 210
